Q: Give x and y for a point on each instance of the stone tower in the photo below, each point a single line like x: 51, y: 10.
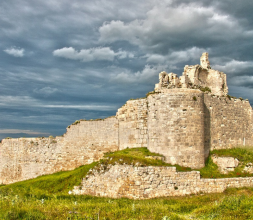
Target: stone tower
x: 204, y: 61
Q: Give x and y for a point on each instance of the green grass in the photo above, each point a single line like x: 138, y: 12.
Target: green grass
x: 58, y: 182
x: 233, y: 204
x: 205, y: 89
x: 137, y: 157
x: 243, y: 154
x: 47, y: 197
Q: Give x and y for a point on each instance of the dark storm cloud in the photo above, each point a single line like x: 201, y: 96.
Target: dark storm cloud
x: 65, y: 60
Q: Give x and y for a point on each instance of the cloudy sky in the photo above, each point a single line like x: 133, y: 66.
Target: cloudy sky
x: 64, y: 60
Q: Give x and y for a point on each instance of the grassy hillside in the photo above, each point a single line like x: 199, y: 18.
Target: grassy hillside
x: 47, y: 197
x: 244, y: 155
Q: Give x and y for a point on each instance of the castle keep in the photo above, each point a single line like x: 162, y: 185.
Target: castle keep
x: 183, y: 119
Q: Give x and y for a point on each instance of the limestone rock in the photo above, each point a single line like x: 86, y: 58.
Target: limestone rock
x: 248, y: 168
x: 225, y: 164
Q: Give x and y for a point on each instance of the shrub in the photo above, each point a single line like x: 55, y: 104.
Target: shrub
x: 76, y: 122
x: 151, y: 93
x: 206, y: 89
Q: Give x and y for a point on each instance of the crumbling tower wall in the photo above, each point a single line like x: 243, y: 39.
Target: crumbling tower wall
x: 176, y: 126
x: 133, y: 131
x: 195, y: 77
x: 204, y: 61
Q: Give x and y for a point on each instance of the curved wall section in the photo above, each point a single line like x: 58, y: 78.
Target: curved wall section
x: 176, y: 126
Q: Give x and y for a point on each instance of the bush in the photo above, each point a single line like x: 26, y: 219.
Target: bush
x: 206, y: 89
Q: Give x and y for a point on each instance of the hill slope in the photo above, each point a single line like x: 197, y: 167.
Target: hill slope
x: 47, y: 197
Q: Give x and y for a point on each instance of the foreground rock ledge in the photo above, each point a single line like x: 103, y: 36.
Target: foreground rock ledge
x: 151, y: 182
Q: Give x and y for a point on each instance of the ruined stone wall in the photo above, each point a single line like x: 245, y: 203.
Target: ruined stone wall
x: 195, y: 76
x: 228, y: 122
x: 181, y: 124
x: 93, y: 137
x: 26, y: 158
x: 198, y: 76
x: 176, y: 126
x: 133, y: 124
x: 151, y: 182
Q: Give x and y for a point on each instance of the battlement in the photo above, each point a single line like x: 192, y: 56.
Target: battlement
x: 195, y: 76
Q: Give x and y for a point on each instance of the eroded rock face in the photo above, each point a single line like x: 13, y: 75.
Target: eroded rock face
x: 196, y: 76
x: 225, y: 164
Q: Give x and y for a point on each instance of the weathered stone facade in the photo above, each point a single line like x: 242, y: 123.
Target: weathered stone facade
x: 83, y: 143
x: 228, y: 122
x: 176, y: 125
x: 151, y: 182
x: 181, y: 119
x: 133, y: 128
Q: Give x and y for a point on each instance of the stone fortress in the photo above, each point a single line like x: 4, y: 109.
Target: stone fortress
x: 183, y: 119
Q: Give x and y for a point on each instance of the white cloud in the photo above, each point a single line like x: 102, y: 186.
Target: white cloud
x: 17, y: 100
x: 83, y: 107
x: 46, y: 90
x: 156, y: 64
x: 168, y: 27
x: 148, y: 73
x: 175, y: 57
x: 234, y: 66
x: 17, y: 131
x: 15, y: 52
x: 155, y: 58
x: 242, y: 80
x: 92, y: 54
x: 186, y: 55
x: 11, y: 101
x: 124, y: 54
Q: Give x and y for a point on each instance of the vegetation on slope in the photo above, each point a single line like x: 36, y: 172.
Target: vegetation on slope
x: 137, y: 157
x: 243, y: 154
x: 47, y: 197
x: 233, y: 204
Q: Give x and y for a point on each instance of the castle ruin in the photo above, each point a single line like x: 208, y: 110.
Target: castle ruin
x: 183, y: 119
